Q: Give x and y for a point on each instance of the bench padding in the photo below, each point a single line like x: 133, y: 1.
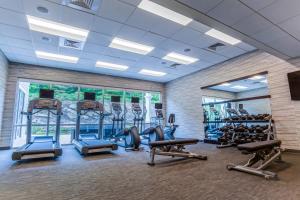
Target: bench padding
x: 177, y: 141
x: 256, y: 146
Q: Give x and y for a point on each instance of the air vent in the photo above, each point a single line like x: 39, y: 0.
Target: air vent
x: 84, y: 5
x: 215, y: 46
x: 63, y: 42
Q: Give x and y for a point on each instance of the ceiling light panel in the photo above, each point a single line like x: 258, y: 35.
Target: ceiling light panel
x: 112, y: 66
x: 179, y: 58
x: 152, y: 73
x: 56, y: 57
x: 222, y: 36
x: 58, y: 29
x: 130, y: 46
x: 164, y: 12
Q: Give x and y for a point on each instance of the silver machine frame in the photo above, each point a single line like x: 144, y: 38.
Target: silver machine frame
x: 259, y: 161
x: 27, y: 151
x: 173, y: 148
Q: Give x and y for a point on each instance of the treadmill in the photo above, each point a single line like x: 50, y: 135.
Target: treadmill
x: 41, y: 146
x: 87, y: 143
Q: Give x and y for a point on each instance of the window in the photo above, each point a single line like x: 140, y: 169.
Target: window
x: 69, y: 95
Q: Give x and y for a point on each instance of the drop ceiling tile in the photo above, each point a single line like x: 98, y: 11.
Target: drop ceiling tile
x: 198, y: 26
x: 257, y: 4
x: 115, y: 10
x: 93, y: 48
x: 287, y: 45
x: 21, y: 59
x: 45, y: 47
x: 12, y: 18
x: 271, y: 34
x: 131, y: 2
x: 230, y: 12
x: 165, y: 27
x: 172, y: 45
x: 143, y: 19
x: 69, y: 52
x: 15, y: 32
x: 16, y: 5
x: 123, y: 54
x: 203, y: 5
x: 281, y: 10
x: 105, y: 26
x: 77, y: 18
x: 252, y: 24
x: 38, y: 37
x: 231, y: 51
x: 54, y: 10
x: 99, y: 39
x: 291, y: 26
x: 131, y: 33
x: 26, y: 44
x: 245, y: 46
x: 192, y: 37
x: 153, y: 39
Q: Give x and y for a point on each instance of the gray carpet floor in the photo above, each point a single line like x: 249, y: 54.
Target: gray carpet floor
x: 126, y: 176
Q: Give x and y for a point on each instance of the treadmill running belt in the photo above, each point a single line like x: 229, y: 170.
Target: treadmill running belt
x: 40, y: 146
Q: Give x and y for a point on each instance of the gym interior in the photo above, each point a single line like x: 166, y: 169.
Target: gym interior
x: 149, y: 99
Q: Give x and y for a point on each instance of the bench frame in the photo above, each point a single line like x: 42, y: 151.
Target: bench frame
x: 176, y: 150
x: 261, y: 159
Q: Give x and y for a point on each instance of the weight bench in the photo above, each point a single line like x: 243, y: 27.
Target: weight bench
x: 264, y: 153
x: 174, y: 148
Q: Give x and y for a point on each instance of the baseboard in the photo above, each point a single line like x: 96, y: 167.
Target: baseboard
x: 4, y: 148
x: 292, y: 150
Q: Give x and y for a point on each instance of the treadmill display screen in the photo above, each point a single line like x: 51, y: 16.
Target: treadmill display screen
x: 241, y: 106
x: 46, y: 94
x: 135, y: 100
x: 158, y: 106
x: 90, y: 96
x: 115, y: 99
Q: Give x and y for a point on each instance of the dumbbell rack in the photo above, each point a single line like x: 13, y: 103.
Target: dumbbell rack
x: 235, y: 135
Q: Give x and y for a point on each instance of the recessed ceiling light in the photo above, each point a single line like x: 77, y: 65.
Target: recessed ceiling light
x: 264, y: 81
x: 42, y: 9
x: 179, y: 58
x: 152, y: 73
x: 111, y: 66
x: 126, y: 45
x: 225, y: 84
x: 56, y: 57
x: 257, y: 77
x: 239, y: 87
x: 222, y: 36
x: 58, y: 29
x: 164, y: 12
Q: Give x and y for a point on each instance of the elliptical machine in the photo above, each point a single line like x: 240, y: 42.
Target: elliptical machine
x: 124, y: 137
x: 149, y: 134
x: 169, y: 129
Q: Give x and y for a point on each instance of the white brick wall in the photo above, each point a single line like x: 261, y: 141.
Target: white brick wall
x: 183, y: 96
x: 3, y: 77
x: 17, y: 71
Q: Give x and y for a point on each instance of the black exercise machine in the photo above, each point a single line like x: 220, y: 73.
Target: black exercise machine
x: 124, y: 137
x: 41, y: 146
x: 173, y: 148
x: 87, y: 143
x: 263, y: 154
